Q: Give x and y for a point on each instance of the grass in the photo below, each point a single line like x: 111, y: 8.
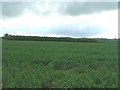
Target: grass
x: 59, y: 64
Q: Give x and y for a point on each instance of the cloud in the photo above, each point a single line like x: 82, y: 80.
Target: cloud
x: 76, y: 31
x: 78, y: 8
x: 13, y: 9
x: 79, y: 19
x: 0, y: 10
x: 45, y: 8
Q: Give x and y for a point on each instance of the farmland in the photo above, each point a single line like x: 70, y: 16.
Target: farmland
x: 39, y: 64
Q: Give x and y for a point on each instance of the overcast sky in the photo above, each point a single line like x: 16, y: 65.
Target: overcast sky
x: 70, y: 19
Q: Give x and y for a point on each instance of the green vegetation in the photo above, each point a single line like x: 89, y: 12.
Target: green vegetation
x: 60, y: 64
x: 37, y: 38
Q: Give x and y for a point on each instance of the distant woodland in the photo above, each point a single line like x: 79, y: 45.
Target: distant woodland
x: 38, y: 38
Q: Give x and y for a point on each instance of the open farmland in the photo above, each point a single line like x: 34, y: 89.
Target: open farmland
x: 39, y: 64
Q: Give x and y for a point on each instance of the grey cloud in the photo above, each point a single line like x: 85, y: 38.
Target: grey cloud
x: 44, y: 8
x: 13, y: 9
x: 0, y: 9
x: 78, y: 8
x: 75, y: 31
x: 70, y: 30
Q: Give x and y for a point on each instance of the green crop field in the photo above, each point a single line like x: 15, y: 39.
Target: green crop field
x: 40, y: 64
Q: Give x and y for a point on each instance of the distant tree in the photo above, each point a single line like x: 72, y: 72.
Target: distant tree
x: 6, y: 35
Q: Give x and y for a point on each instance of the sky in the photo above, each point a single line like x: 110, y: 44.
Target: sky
x: 60, y: 19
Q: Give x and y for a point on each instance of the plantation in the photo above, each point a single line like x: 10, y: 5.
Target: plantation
x: 38, y: 64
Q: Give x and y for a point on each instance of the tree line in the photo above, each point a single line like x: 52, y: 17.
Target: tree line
x: 38, y: 38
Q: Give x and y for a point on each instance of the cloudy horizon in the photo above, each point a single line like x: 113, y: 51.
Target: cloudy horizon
x: 60, y: 19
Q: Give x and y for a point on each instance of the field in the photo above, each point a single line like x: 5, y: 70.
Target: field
x: 44, y: 64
